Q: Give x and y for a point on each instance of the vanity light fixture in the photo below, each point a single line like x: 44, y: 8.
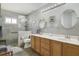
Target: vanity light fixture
x: 52, y: 7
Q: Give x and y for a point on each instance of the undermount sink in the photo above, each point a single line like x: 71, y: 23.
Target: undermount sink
x: 54, y: 35
x: 62, y: 37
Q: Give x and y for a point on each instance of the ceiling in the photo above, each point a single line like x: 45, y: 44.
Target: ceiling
x: 22, y: 8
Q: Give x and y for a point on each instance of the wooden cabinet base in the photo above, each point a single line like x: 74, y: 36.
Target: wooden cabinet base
x: 36, y: 52
x: 70, y: 50
x: 56, y: 48
x: 47, y: 47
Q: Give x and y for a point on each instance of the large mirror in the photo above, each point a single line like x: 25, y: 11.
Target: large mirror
x: 69, y: 18
x: 42, y: 24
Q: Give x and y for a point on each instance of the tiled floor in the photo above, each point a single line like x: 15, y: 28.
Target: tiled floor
x: 26, y: 52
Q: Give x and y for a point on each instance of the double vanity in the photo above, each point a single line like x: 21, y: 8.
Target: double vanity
x: 54, y: 45
x: 58, y: 45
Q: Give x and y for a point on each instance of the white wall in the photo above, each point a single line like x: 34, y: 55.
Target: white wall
x: 57, y: 12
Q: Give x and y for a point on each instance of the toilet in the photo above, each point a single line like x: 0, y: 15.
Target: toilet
x: 27, y: 43
x: 24, y: 37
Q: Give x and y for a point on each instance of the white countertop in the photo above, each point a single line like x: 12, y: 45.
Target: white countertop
x: 57, y: 38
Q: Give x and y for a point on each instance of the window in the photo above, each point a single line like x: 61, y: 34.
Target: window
x: 9, y: 20
x: 14, y: 21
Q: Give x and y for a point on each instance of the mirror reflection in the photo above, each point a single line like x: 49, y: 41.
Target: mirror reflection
x: 69, y: 18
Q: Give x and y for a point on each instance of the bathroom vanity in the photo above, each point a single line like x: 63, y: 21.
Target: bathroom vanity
x: 54, y: 46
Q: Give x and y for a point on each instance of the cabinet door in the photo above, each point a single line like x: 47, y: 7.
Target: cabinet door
x: 56, y: 48
x: 42, y: 46
x: 38, y: 43
x: 42, y: 51
x: 70, y: 50
x: 32, y: 42
x: 45, y: 47
x: 45, y: 52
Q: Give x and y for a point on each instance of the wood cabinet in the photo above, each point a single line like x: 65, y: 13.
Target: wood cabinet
x: 45, y: 52
x: 45, y: 47
x: 56, y: 48
x: 38, y: 44
x: 70, y: 50
x: 33, y: 42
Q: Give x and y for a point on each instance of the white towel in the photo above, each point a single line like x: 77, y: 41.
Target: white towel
x: 14, y: 49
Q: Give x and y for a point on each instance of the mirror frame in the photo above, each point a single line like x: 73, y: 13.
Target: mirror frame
x: 62, y: 17
x: 45, y: 23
